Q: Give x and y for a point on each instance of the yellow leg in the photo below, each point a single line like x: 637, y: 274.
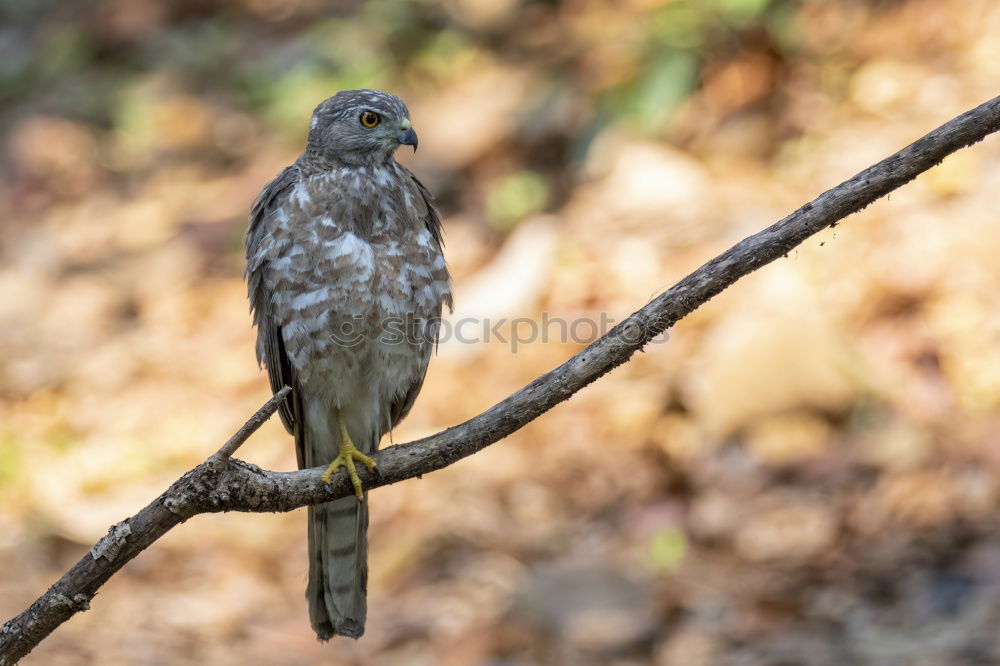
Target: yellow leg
x: 346, y: 458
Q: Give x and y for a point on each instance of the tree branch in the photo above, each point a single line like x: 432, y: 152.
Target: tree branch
x: 221, y: 484
x: 250, y: 427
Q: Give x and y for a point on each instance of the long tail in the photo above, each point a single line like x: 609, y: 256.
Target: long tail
x: 338, y: 567
x: 338, y: 550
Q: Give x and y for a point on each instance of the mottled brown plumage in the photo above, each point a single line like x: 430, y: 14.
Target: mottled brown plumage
x: 346, y: 281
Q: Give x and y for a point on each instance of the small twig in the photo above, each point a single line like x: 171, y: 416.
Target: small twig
x: 267, y: 410
x: 239, y: 486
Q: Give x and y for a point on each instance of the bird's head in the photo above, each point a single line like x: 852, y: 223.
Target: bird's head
x: 360, y: 128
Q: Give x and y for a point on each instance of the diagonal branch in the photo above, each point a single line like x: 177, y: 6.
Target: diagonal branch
x: 232, y: 485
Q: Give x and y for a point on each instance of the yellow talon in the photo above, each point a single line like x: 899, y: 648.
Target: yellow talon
x: 348, y: 455
x: 346, y: 458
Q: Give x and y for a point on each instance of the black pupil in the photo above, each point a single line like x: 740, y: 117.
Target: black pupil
x: 370, y: 118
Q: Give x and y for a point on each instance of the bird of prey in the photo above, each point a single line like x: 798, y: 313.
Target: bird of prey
x: 346, y: 280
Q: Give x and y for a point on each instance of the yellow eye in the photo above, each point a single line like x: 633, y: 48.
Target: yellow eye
x: 370, y: 119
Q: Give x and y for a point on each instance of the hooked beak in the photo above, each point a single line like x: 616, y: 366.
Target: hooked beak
x: 408, y: 137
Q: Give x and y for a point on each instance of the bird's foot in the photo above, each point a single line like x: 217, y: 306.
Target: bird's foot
x: 346, y: 458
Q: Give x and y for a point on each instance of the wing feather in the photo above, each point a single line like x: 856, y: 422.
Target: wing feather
x: 270, y: 344
x: 432, y: 219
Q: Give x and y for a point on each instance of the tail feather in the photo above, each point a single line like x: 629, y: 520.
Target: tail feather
x: 338, y: 568
x: 338, y: 544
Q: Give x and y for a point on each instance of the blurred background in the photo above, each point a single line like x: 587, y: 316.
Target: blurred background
x: 807, y: 472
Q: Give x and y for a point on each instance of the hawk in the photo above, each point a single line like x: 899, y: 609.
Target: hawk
x: 346, y: 280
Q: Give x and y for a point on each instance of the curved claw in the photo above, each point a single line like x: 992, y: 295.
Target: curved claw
x: 346, y: 458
